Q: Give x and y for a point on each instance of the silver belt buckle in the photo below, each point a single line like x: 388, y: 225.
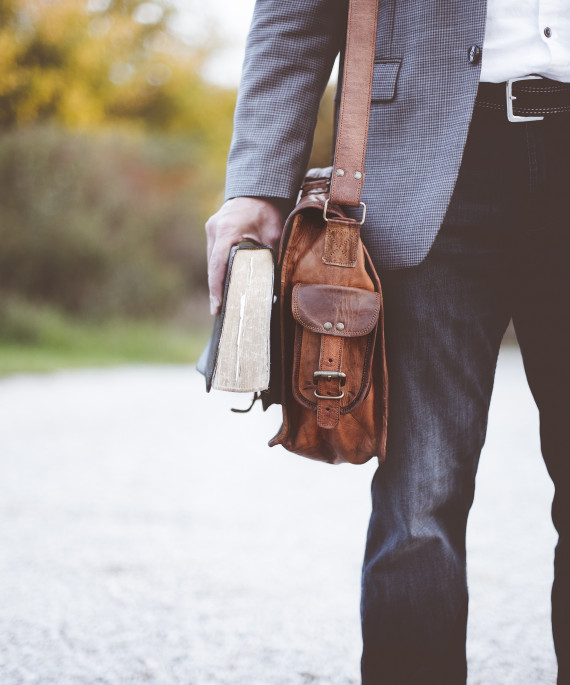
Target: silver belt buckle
x: 511, y: 116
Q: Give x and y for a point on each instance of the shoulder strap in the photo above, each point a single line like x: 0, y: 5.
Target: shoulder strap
x: 354, y: 113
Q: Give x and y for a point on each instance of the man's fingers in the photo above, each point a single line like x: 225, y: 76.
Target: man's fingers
x: 211, y: 232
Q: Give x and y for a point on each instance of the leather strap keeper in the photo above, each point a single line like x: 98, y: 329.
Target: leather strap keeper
x: 341, y: 242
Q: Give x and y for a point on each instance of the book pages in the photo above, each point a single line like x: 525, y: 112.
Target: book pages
x: 243, y: 353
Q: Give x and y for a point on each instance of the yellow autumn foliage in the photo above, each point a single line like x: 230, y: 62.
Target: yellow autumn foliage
x: 112, y: 156
x: 91, y: 64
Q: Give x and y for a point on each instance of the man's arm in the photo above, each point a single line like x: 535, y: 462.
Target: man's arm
x: 290, y: 51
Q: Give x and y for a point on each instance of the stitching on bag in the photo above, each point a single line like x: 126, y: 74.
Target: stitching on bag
x: 360, y: 395
x: 303, y: 321
x: 363, y: 388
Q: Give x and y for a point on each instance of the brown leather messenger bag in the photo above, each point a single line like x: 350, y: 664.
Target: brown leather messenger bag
x: 332, y: 381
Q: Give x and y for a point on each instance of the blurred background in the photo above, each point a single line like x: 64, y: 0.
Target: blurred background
x: 115, y: 122
x: 148, y: 534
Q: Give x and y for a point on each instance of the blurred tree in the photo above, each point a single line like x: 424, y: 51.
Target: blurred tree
x: 98, y: 225
x: 116, y: 64
x: 97, y: 216
x: 88, y: 63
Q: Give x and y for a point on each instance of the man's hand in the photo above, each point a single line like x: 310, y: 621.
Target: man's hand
x: 241, y: 218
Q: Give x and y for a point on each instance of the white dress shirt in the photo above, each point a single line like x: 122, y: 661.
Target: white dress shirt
x: 526, y: 37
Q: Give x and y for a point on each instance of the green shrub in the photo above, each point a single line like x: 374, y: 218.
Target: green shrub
x: 27, y: 324
x: 36, y: 338
x: 100, y: 225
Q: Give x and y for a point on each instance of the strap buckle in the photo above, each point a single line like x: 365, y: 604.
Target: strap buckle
x: 325, y: 217
x: 329, y: 397
x: 511, y: 116
x: 329, y: 375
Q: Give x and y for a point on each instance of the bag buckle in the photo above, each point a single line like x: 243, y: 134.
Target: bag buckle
x: 329, y: 397
x: 511, y: 116
x: 329, y: 375
x: 325, y: 217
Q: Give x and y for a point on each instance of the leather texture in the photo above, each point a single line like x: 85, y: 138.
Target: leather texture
x: 341, y: 243
x: 335, y: 310
x: 334, y: 389
x: 354, y: 111
x: 334, y: 383
x: 537, y: 97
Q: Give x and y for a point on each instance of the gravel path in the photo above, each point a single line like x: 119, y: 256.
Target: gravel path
x: 149, y: 536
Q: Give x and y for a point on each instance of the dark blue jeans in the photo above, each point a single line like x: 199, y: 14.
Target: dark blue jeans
x: 503, y: 251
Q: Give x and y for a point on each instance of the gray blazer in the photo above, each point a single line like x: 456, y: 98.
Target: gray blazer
x: 425, y: 80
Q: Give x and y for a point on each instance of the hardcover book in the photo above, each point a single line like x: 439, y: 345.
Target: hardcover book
x: 236, y: 358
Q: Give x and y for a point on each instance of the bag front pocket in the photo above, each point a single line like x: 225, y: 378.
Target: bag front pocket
x: 335, y: 332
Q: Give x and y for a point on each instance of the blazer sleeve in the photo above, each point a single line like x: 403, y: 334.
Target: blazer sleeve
x: 290, y: 51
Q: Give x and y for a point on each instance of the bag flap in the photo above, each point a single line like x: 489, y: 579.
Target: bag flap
x: 335, y: 310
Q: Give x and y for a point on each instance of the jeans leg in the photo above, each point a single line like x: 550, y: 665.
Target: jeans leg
x: 442, y: 355
x: 540, y: 273
x: 544, y: 341
x: 444, y: 322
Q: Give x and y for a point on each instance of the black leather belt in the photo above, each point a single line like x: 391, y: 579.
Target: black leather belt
x: 531, y: 98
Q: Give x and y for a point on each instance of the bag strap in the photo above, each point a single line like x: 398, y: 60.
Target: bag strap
x: 354, y: 113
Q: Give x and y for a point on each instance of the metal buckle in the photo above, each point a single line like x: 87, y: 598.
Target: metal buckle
x: 325, y: 217
x: 329, y: 375
x: 329, y: 397
x: 511, y: 116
